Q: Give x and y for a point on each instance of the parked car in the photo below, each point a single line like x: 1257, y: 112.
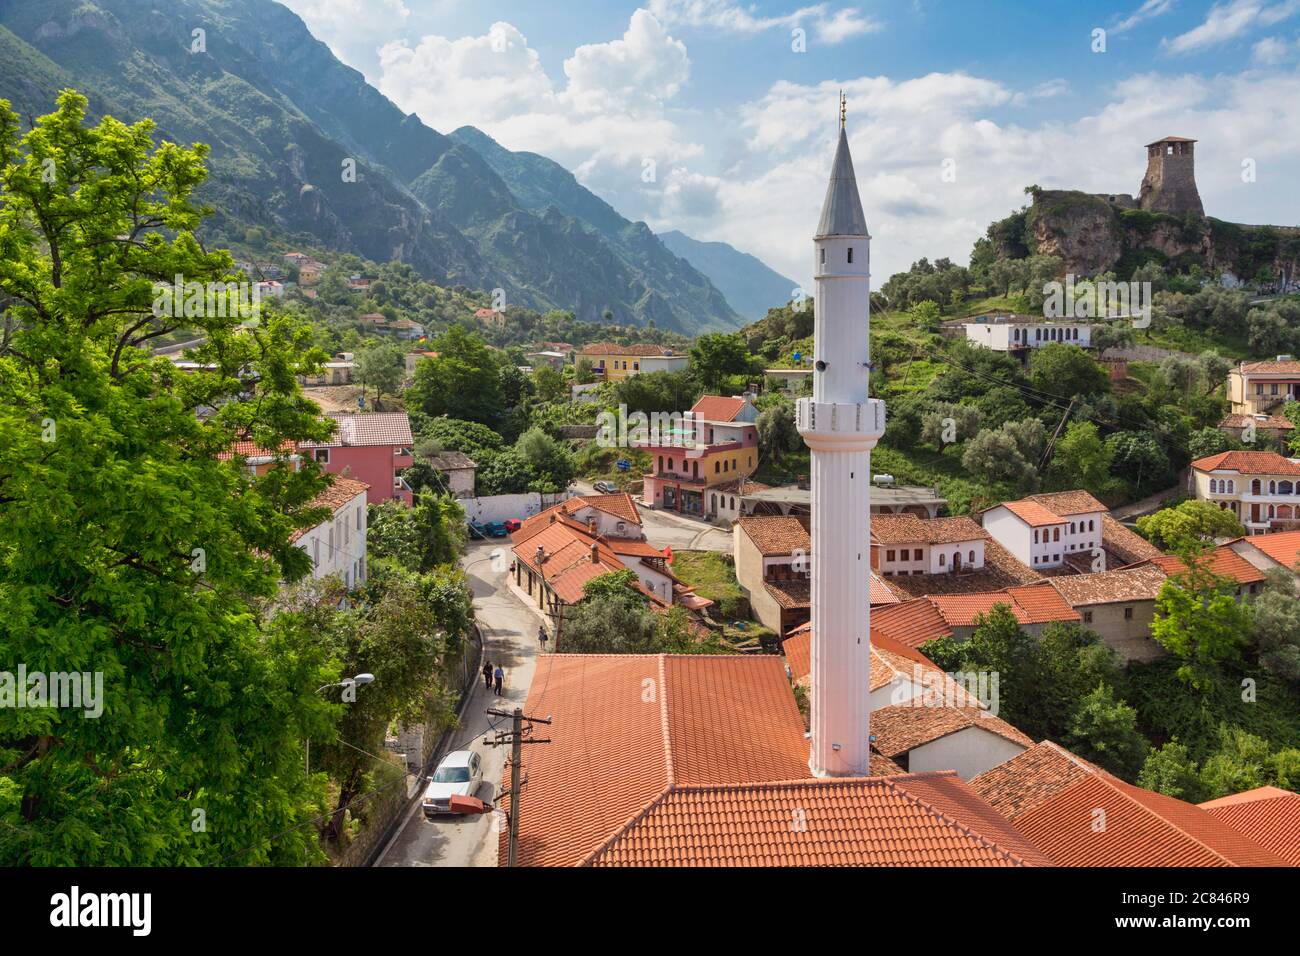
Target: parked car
x: 458, y: 775
x: 513, y: 524
x: 496, y: 529
x: 475, y: 532
x: 606, y: 487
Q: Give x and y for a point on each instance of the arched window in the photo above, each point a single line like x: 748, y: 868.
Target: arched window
x: 1090, y: 527
x: 971, y: 557
x: 733, y: 504
x: 1255, y: 487
x: 1285, y: 488
x: 1214, y: 486
x: 1035, y: 536
x: 1272, y: 487
x: 1232, y: 486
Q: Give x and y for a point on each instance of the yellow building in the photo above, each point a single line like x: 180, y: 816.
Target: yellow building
x: 616, y: 362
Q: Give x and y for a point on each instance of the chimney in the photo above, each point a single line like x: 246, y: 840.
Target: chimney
x: 541, y: 556
x: 591, y: 525
x: 595, y: 553
x: 552, y: 517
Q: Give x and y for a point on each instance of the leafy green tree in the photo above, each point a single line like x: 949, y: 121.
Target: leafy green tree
x: 927, y: 315
x: 584, y: 373
x: 948, y: 423
x: 550, y: 460
x: 716, y: 356
x: 1081, y: 458
x: 1189, y: 524
x: 1066, y: 371
x: 1277, y: 624
x: 549, y: 385
x: 1104, y: 730
x: 1138, y: 456
x: 505, y: 472
x: 1171, y: 770
x: 381, y: 368
x: 1209, y: 441
x: 1008, y: 454
x: 463, y: 381
x: 1199, y: 619
x: 777, y: 433
x: 611, y: 619
x: 454, y: 434
x: 128, y: 547
x: 1242, y: 762
x: 657, y: 392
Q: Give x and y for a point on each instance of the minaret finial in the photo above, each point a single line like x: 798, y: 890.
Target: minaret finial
x: 843, y: 108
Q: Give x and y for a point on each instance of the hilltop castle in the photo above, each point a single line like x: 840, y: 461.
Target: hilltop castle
x: 1170, y: 181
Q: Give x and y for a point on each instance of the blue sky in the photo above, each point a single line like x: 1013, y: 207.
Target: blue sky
x: 701, y: 115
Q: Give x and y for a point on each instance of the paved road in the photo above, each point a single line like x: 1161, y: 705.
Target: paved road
x: 510, y: 637
x: 665, y: 529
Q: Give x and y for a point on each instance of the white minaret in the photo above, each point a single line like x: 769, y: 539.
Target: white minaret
x: 841, y: 425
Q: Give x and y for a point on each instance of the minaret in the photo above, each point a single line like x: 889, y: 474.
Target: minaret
x: 841, y: 425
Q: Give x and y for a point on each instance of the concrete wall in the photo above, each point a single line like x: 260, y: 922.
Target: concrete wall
x: 749, y: 575
x: 1010, y: 532
x: 503, y: 507
x: 338, y: 546
x: 969, y: 751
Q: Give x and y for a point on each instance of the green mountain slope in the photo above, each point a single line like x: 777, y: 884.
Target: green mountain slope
x: 749, y: 285
x: 283, y: 117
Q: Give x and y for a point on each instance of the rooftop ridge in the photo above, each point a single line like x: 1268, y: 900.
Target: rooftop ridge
x: 949, y: 819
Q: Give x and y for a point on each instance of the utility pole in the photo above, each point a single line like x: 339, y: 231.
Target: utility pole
x: 516, y: 737
x: 1051, y: 445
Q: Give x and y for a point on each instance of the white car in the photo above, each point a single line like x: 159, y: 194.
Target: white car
x: 458, y: 775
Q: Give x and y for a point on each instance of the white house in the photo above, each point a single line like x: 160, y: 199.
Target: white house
x: 1262, y: 488
x: 338, y: 544
x: 1010, y: 333
x: 1044, y: 531
x: 903, y: 545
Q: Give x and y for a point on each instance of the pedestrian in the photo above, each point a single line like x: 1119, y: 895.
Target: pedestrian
x: 487, y: 675
x: 542, y: 636
x: 500, y: 676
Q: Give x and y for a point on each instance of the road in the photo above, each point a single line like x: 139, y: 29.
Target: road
x: 510, y: 638
x: 665, y: 529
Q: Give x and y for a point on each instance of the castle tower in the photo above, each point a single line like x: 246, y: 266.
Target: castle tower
x: 841, y: 425
x: 1170, y: 181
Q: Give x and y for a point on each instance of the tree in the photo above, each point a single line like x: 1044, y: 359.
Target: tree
x: 1171, y: 770
x: 717, y: 355
x: 463, y: 381
x: 657, y: 392
x: 549, y: 385
x: 1189, y: 524
x: 1066, y: 371
x: 551, y: 462
x: 949, y: 423
x: 381, y: 368
x: 1208, y: 441
x: 611, y: 619
x: 1199, y: 620
x: 454, y: 434
x: 584, y: 373
x: 1277, y: 624
x: 927, y: 315
x: 1081, y: 458
x: 777, y: 433
x: 1104, y: 730
x: 128, y: 546
x: 505, y: 472
x: 1138, y: 457
x: 1007, y: 454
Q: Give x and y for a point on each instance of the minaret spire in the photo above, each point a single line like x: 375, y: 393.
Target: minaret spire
x: 844, y: 106
x: 841, y: 424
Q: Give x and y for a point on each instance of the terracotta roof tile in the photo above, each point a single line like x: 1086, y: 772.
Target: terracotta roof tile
x: 609, y: 348
x: 339, y: 493
x: 777, y: 534
x: 1223, y: 561
x: 718, y: 408
x: 1282, y: 546
x: 1001, y: 570
x: 1272, y: 367
x: 1032, y: 513
x: 376, y: 428
x: 909, y: 529
x: 900, y: 728
x: 1142, y: 583
x: 1067, y: 503
x: 1053, y: 798
x: 1124, y: 546
x: 904, y: 820
x: 1248, y: 463
x: 1266, y: 422
x: 248, y: 449
x: 1268, y: 815
x: 911, y: 623
x: 620, y: 505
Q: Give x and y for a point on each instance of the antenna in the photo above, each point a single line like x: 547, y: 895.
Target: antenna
x: 844, y: 105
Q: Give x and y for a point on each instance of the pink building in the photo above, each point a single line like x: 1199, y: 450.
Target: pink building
x: 373, y: 448
x: 717, y: 446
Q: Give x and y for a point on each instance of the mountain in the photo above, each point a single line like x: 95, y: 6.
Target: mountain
x: 285, y: 120
x: 748, y: 283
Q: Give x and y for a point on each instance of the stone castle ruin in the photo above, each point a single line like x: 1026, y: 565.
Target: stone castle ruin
x: 1170, y: 181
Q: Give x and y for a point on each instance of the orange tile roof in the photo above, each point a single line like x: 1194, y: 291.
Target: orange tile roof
x: 1248, y: 463
x: 900, y: 728
x: 790, y: 595
x: 1031, y: 604
x: 1123, y: 545
x: 620, y: 505
x: 1282, y: 546
x: 718, y: 408
x: 1054, y: 797
x: 909, y: 529
x: 777, y: 534
x: 1001, y: 570
x: 911, y: 623
x: 889, y: 659
x: 1223, y: 561
x: 374, y: 428
x: 1142, y: 583
x: 567, y: 547
x: 248, y: 449
x: 1068, y: 503
x: 1032, y: 513
x: 340, y: 491
x: 1272, y: 367
x: 908, y: 820
x: 1268, y: 815
x: 609, y: 348
x: 1267, y: 422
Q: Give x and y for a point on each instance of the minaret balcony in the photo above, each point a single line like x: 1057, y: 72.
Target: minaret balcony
x: 829, y: 424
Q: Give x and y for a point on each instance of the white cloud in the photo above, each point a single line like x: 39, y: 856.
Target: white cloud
x: 352, y: 29
x: 829, y: 26
x: 642, y: 70
x: 1270, y: 51
x: 1228, y: 21
x: 1148, y: 11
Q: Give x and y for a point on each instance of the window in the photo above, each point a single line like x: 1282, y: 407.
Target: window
x: 943, y: 559
x: 1035, y: 536
x: 889, y: 556
x: 359, y: 510
x: 733, y: 504
x: 1056, y: 534
x: 916, y: 555
x: 1128, y: 614
x: 971, y: 557
x: 661, y: 462
x: 1087, y: 617
x: 1272, y: 389
x: 323, y: 455
x: 850, y: 254
x: 1090, y: 520
x: 717, y: 467
x: 315, y: 552
x: 823, y: 255
x: 1071, y: 527
x: 636, y: 366
x: 1056, y: 557
x: 670, y: 464
x: 1259, y: 388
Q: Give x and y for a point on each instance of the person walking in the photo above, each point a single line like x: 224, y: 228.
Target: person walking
x: 500, y: 675
x: 487, y: 675
x: 542, y: 637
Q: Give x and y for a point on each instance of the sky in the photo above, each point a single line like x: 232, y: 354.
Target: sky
x: 718, y: 118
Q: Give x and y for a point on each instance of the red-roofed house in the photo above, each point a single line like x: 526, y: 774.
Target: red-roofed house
x: 1278, y: 550
x: 1042, y: 531
x: 942, y: 615
x: 1080, y: 815
x: 338, y: 544
x: 1268, y: 815
x: 716, y: 445
x: 711, y: 769
x: 373, y: 448
x: 1256, y: 388
x: 1260, y: 487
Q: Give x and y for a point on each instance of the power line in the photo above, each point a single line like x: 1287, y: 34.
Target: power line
x: 516, y: 737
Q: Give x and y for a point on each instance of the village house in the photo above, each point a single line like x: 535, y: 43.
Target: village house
x: 1222, y: 561
x: 772, y: 555
x: 338, y: 544
x: 457, y: 470
x: 1261, y: 488
x: 616, y: 362
x: 1260, y: 388
x: 269, y: 289
x: 1046, y: 531
x: 406, y: 329
x: 1056, y: 798
x: 717, y: 445
x: 553, y: 360
x: 1260, y: 430
x: 1280, y: 549
x: 903, y: 545
x: 373, y: 448
x: 413, y: 359
x: 928, y: 618
x: 1022, y: 333
x: 337, y: 371
x: 1118, y: 605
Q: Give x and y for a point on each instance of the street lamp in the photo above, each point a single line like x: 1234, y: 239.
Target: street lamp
x: 359, y: 681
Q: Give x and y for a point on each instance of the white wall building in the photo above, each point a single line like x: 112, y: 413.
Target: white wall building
x: 1262, y: 488
x: 1044, y: 531
x: 1010, y: 333
x: 903, y: 545
x: 338, y: 544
